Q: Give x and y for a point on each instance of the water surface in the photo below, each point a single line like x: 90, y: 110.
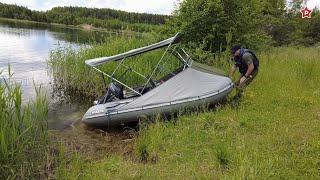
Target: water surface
x: 26, y: 47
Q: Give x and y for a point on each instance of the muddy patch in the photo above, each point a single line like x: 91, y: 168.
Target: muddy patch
x: 95, y: 144
x: 92, y: 143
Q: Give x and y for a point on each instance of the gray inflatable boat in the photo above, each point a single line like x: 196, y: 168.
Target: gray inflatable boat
x: 191, y: 84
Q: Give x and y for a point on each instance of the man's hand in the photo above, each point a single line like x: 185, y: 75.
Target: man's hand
x: 242, y: 80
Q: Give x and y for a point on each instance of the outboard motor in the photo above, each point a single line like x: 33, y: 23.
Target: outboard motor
x: 113, y: 91
x: 116, y: 90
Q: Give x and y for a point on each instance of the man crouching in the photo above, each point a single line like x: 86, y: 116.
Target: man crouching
x: 248, y: 65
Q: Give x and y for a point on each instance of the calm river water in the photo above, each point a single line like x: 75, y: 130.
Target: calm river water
x: 26, y: 47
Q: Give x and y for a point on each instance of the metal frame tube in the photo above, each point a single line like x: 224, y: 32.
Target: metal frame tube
x: 156, y: 66
x: 119, y: 64
x: 134, y: 71
x: 117, y: 81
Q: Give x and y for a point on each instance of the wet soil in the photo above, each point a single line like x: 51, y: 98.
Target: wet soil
x: 94, y: 143
x: 91, y: 142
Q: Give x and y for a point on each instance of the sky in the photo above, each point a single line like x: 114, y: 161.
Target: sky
x: 313, y: 3
x: 142, y: 6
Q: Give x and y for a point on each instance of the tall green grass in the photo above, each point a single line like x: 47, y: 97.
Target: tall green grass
x: 72, y: 74
x: 23, y: 133
x: 273, y: 132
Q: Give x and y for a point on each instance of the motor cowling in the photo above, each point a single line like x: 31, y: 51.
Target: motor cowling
x: 116, y: 90
x: 113, y: 91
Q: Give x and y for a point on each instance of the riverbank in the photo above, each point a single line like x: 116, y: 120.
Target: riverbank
x: 84, y: 27
x: 272, y: 132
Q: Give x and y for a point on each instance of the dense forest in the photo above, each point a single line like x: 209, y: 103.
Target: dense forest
x: 215, y: 25
x: 212, y: 26
x: 105, y: 18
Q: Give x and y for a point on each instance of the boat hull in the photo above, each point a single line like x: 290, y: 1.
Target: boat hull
x: 104, y: 116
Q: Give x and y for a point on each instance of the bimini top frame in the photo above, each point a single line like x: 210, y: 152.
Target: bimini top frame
x: 168, y: 42
x: 98, y: 61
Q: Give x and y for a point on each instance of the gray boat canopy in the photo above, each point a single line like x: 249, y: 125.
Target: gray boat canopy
x: 98, y: 61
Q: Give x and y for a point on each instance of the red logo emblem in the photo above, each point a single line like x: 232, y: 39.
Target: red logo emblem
x: 306, y: 13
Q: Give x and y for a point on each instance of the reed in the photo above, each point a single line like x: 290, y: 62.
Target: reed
x: 72, y: 74
x: 23, y: 133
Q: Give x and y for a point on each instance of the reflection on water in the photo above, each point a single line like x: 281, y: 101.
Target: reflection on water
x: 26, y: 48
x: 59, y: 32
x: 27, y: 51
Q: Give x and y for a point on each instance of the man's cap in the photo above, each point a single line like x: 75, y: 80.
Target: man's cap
x: 235, y: 48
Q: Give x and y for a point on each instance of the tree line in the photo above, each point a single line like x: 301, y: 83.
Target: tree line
x: 105, y: 18
x: 214, y: 25
x: 209, y: 25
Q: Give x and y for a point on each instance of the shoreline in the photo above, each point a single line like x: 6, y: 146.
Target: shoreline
x: 83, y: 27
